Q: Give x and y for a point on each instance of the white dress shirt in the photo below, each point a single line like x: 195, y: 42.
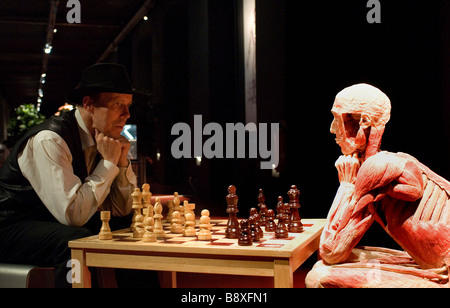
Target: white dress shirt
x: 46, y: 162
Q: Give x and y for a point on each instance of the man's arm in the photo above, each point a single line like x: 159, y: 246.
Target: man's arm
x: 118, y: 200
x: 47, y: 164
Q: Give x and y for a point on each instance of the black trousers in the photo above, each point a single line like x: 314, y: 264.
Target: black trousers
x: 44, y: 243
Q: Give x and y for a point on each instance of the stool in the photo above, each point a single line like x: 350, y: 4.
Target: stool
x: 26, y: 276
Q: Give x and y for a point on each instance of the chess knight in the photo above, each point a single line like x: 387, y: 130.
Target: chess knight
x: 407, y: 199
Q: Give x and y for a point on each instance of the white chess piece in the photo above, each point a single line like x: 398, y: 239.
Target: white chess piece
x: 205, y: 227
x: 189, y: 229
x: 105, y: 231
x: 149, y: 235
x: 176, y: 226
x: 159, y: 231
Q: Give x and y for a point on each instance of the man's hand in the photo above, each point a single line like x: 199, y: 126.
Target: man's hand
x: 347, y: 167
x: 109, y: 148
x: 123, y: 160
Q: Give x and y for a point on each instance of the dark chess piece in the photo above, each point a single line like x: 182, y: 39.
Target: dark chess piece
x: 232, y: 230
x: 261, y: 198
x: 295, y: 223
x: 280, y: 204
x: 245, y: 238
x: 282, y: 228
x: 253, y: 228
x: 263, y: 215
x: 254, y: 212
x: 270, y: 223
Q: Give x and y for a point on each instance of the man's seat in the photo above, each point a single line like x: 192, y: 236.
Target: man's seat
x: 26, y: 276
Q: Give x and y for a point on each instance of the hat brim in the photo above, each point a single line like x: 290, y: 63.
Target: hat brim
x: 77, y: 94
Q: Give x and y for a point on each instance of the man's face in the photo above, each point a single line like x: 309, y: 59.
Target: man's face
x: 110, y: 112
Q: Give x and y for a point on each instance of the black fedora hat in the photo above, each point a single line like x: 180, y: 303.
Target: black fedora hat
x: 101, y: 77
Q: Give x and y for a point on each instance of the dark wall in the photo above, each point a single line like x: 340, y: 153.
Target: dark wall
x: 306, y: 53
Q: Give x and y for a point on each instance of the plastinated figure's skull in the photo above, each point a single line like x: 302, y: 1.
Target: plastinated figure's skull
x: 360, y: 114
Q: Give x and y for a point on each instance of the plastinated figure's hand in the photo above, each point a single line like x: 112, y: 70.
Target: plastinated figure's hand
x: 347, y: 167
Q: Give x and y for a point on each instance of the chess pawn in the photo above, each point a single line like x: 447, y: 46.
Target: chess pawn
x: 189, y: 229
x: 176, y: 226
x: 253, y: 228
x: 159, y: 231
x: 270, y: 223
x: 263, y: 215
x: 149, y: 234
x: 205, y: 227
x: 105, y: 231
x: 205, y: 212
x: 245, y: 239
x: 254, y: 212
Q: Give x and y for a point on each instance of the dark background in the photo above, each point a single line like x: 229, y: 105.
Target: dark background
x: 306, y: 53
x: 189, y: 56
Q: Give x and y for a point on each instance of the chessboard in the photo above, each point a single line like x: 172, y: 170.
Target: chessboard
x: 268, y: 245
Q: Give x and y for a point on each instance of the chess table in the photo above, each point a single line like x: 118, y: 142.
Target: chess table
x: 270, y: 257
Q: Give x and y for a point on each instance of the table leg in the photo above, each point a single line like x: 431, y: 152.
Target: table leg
x: 167, y: 279
x: 80, y: 275
x: 283, y: 274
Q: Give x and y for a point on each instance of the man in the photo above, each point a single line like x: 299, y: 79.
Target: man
x: 65, y: 170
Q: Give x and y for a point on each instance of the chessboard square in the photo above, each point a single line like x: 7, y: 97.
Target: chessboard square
x: 274, y: 240
x: 180, y: 239
x: 226, y: 240
x: 270, y: 245
x: 220, y: 243
x: 199, y: 242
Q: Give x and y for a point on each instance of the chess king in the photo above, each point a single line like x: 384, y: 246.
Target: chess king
x: 406, y: 198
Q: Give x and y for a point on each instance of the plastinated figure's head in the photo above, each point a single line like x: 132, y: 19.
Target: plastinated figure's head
x: 360, y: 114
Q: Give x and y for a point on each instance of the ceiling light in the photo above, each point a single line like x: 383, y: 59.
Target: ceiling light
x: 48, y: 48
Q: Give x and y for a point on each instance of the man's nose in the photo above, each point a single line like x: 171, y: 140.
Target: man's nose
x: 125, y: 112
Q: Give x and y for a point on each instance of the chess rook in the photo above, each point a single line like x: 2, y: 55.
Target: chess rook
x: 105, y: 231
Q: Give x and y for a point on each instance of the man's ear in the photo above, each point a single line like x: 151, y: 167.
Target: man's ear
x: 88, y: 103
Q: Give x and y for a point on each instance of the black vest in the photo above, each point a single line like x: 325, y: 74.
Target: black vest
x: 18, y: 200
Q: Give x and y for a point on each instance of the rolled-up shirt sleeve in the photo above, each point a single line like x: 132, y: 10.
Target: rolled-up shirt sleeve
x: 47, y: 164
